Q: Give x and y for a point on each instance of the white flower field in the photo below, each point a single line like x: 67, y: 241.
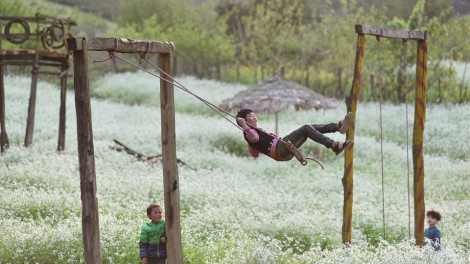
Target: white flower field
x: 234, y: 209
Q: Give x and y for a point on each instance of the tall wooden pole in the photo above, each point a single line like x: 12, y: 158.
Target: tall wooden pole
x: 86, y: 158
x: 3, y: 133
x: 170, y: 168
x: 418, y: 131
x: 351, y: 103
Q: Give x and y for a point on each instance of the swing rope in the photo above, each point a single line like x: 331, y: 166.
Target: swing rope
x: 217, y: 109
x: 381, y: 140
x: 112, y: 54
x: 407, y: 139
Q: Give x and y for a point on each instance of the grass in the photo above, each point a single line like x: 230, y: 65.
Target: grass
x: 234, y: 209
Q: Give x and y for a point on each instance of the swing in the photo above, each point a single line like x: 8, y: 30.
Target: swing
x: 405, y: 42
x: 112, y: 54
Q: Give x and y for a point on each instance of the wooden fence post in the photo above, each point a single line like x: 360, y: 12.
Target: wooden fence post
x: 418, y: 131
x: 90, y: 219
x: 170, y: 168
x: 351, y: 103
x: 3, y: 134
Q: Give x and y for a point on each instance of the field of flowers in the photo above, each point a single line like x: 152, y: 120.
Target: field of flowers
x: 234, y: 209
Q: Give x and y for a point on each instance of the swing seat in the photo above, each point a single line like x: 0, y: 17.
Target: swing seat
x: 299, y: 156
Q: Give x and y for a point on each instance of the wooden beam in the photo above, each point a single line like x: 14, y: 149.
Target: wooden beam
x: 121, y: 45
x: 391, y: 33
x: 351, y: 105
x: 86, y: 158
x: 418, y: 131
x: 170, y: 168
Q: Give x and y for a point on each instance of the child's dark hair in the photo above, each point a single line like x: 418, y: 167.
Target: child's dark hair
x: 151, y: 206
x: 434, y: 214
x: 242, y: 113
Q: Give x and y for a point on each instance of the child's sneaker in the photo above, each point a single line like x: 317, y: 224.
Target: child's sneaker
x: 348, y: 121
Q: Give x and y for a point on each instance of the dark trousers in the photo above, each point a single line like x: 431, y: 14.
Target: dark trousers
x: 156, y: 261
x: 299, y: 136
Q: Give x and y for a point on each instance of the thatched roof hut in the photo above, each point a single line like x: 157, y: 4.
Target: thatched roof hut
x: 276, y: 94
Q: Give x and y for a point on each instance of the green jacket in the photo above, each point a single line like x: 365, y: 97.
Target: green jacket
x: 149, y: 244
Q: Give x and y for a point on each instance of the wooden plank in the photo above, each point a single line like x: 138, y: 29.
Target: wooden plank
x: 418, y: 131
x: 351, y: 105
x: 121, y: 45
x: 390, y: 33
x: 86, y: 157
x: 170, y: 168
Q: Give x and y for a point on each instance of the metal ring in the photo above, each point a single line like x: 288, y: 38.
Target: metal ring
x: 45, y: 42
x: 25, y: 25
x: 61, y: 27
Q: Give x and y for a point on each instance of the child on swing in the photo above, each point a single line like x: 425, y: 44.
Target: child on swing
x: 261, y: 141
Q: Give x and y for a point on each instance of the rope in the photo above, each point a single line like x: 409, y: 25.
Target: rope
x: 175, y: 83
x: 407, y: 139
x: 112, y: 54
x: 381, y: 140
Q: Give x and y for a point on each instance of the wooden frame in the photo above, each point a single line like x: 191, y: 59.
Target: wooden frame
x: 37, y: 58
x: 90, y: 218
x: 418, y: 129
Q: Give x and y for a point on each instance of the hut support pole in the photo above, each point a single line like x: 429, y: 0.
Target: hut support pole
x: 86, y: 158
x: 418, y: 131
x: 32, y: 97
x: 63, y: 94
x: 351, y: 103
x: 277, y: 123
x: 32, y: 106
x: 170, y: 168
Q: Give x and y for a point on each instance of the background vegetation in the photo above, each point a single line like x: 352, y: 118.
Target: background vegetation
x: 309, y: 41
x: 234, y: 209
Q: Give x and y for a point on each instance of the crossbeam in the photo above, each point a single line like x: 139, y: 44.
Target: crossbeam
x: 119, y: 45
x: 391, y: 33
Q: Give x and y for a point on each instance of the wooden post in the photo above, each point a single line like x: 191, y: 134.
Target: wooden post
x: 63, y: 94
x: 170, y: 168
x: 351, y: 103
x: 86, y: 158
x: 418, y: 131
x: 3, y: 134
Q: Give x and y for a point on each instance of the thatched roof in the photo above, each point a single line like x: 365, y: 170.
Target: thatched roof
x: 276, y: 94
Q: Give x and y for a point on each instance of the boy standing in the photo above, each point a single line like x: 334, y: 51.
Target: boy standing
x: 152, y: 237
x: 432, y: 233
